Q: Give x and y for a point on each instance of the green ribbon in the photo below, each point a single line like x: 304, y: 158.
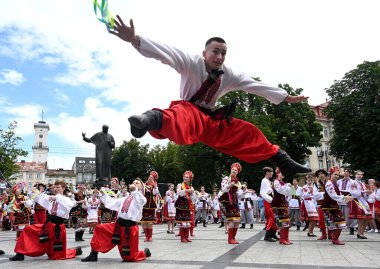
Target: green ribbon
x: 105, y: 16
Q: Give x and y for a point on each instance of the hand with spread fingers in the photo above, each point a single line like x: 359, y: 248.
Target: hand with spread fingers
x: 124, y: 32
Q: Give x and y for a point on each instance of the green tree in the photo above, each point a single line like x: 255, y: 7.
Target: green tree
x: 166, y: 161
x: 355, y: 110
x: 130, y: 160
x: 9, y: 150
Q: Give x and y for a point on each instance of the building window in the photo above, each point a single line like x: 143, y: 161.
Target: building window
x: 38, y: 175
x: 320, y: 163
x: 40, y: 144
x: 325, y: 132
x: 30, y: 175
x: 81, y: 161
x: 328, y: 165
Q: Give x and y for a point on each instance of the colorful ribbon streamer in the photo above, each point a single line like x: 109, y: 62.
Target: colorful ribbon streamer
x: 106, y: 16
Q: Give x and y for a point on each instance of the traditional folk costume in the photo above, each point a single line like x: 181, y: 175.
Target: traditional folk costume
x: 246, y: 209
x: 280, y: 207
x: 79, y: 214
x: 39, y: 210
x: 20, y: 206
x: 169, y: 209
x: 344, y: 185
x: 215, y: 209
x: 309, y: 211
x: 92, y: 205
x: 359, y: 206
x: 50, y: 237
x: 124, y: 232
x: 376, y: 204
x: 149, y: 209
x: 320, y: 191
x: 4, y: 218
x: 334, y: 218
x: 232, y: 192
x: 203, y: 204
x: 184, y: 207
x: 295, y: 206
x: 192, y: 119
x: 266, y: 193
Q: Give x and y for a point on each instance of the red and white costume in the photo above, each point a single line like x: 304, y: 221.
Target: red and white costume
x: 53, y: 231
x: 125, y: 232
x: 189, y: 123
x: 359, y: 207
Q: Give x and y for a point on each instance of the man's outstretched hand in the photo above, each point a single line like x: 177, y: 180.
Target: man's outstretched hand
x: 124, y: 32
x: 295, y: 99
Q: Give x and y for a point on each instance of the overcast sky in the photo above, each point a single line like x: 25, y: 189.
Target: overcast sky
x: 57, y: 57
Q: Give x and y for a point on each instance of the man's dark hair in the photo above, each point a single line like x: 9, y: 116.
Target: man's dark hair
x: 216, y: 39
x: 267, y: 169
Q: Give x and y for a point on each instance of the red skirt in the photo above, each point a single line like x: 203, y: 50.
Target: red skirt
x: 357, y: 212
x: 184, y: 124
x: 29, y: 243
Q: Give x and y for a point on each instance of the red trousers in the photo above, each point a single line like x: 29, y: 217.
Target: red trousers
x: 184, y: 124
x: 102, y: 241
x: 269, y: 216
x: 39, y: 216
x: 29, y: 243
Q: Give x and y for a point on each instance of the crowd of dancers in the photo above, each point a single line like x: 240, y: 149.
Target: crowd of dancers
x: 114, y: 213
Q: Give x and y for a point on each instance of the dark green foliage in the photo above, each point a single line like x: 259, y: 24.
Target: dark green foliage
x: 355, y: 111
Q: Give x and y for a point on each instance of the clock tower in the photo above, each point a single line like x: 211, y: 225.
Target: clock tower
x: 40, y: 147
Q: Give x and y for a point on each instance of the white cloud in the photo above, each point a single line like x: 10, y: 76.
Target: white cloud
x: 11, y: 77
x: 61, y: 96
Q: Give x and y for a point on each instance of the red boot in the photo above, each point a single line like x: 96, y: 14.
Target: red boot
x: 192, y: 231
x: 283, y: 240
x: 182, y: 234
x: 146, y: 232
x: 235, y: 232
x: 231, y: 239
x: 187, y: 232
x: 335, y: 237
x: 329, y: 234
x: 287, y: 236
x: 323, y: 236
x: 150, y: 235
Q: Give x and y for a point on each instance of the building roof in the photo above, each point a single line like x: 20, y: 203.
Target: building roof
x: 60, y: 173
x: 319, y: 111
x: 31, y: 166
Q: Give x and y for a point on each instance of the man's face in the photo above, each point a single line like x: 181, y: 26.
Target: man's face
x: 321, y: 175
x: 138, y: 184
x: 295, y: 182
x: 58, y: 189
x: 214, y: 55
x: 113, y: 184
x: 359, y: 176
x: 346, y: 173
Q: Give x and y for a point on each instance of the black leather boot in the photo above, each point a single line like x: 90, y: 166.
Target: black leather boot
x: 274, y: 235
x: 221, y: 224
x: 2, y: 252
x: 268, y: 237
x: 141, y: 124
x: 287, y: 165
x: 93, y: 257
x: 79, y: 235
x: 147, y: 252
x: 242, y: 226
x: 78, y: 251
x: 17, y: 257
x: 204, y: 223
x: 251, y: 226
x: 352, y: 230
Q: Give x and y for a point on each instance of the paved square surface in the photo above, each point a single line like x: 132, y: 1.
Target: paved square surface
x: 210, y: 249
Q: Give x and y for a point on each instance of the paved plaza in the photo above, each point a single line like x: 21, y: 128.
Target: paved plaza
x: 210, y: 249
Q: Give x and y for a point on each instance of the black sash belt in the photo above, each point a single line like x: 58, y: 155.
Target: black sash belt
x: 44, y: 236
x: 223, y: 113
x: 120, y: 223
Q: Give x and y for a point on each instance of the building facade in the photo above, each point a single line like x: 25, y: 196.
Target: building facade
x: 85, y: 170
x: 320, y: 157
